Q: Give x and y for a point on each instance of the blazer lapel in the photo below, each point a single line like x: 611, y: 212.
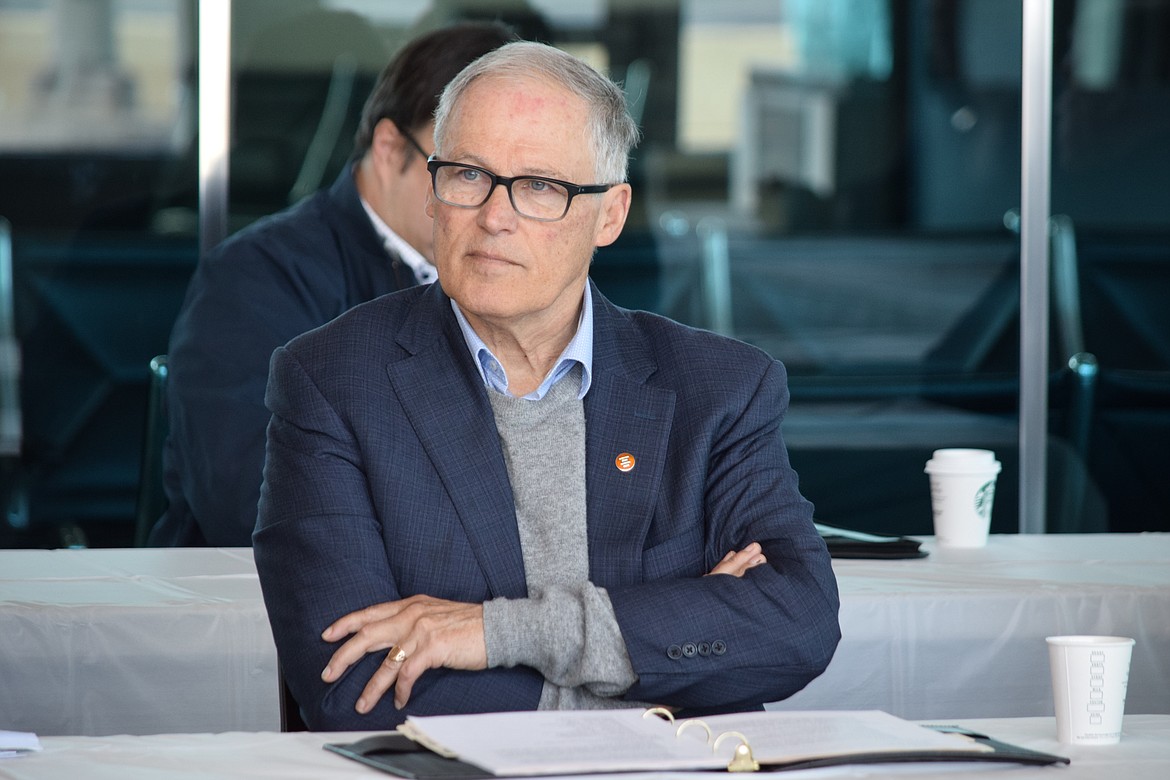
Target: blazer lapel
x: 450, y: 413
x: 627, y: 426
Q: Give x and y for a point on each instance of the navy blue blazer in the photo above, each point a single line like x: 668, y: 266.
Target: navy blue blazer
x: 384, y: 478
x: 279, y: 277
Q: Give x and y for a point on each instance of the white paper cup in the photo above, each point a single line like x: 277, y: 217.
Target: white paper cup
x: 962, y: 490
x: 1090, y: 675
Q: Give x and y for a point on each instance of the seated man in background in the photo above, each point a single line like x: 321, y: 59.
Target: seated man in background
x: 366, y: 235
x: 502, y: 492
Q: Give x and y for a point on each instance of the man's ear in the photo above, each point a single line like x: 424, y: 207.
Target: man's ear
x: 614, y: 209
x: 388, y: 144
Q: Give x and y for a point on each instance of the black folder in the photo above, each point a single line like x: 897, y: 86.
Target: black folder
x: 844, y: 543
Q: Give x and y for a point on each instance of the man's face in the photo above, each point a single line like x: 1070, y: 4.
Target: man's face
x: 499, y: 266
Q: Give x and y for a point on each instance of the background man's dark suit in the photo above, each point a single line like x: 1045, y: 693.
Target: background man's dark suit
x: 283, y: 275
x: 384, y: 461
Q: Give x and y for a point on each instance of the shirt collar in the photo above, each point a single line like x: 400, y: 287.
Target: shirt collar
x: 578, y: 350
x: 424, y: 271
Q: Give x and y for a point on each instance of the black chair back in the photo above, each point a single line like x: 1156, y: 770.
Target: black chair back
x: 152, y: 499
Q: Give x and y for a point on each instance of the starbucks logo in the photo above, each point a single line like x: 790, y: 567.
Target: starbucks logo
x: 983, y: 499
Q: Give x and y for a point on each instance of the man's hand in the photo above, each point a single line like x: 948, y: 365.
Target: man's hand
x: 424, y: 632
x: 736, y: 563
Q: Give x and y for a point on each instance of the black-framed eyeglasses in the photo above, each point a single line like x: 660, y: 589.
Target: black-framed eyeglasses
x: 535, y: 197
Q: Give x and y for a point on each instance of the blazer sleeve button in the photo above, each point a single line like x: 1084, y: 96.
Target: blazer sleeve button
x: 718, y: 647
x: 689, y: 650
x: 674, y: 651
x: 704, y: 648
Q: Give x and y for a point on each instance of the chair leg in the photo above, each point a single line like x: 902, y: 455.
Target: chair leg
x: 290, y: 711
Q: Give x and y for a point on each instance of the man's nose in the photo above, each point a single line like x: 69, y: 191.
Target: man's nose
x: 497, y: 209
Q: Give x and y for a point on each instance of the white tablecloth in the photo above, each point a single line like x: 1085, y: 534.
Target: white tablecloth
x: 134, y: 641
x: 1142, y: 754
x: 97, y: 642
x: 961, y: 632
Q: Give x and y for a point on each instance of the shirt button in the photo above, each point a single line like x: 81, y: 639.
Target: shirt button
x: 718, y: 647
x: 689, y: 649
x: 704, y: 648
x: 674, y: 651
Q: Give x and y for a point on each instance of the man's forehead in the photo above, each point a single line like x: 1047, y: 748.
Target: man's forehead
x: 534, y: 117
x: 527, y: 91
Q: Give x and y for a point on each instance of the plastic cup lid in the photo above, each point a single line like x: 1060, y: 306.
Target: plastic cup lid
x: 963, y: 461
x: 1089, y: 641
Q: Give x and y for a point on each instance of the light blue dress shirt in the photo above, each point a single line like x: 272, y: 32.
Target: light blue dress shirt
x: 578, y: 350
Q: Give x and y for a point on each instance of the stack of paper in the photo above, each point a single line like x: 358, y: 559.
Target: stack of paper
x: 17, y: 743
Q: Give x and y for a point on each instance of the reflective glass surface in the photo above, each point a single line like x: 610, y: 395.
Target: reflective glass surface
x: 835, y: 181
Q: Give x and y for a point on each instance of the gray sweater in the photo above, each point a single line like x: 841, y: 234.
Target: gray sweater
x: 566, y: 628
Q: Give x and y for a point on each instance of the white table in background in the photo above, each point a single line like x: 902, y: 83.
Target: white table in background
x: 138, y: 641
x: 1142, y: 754
x: 961, y: 632
x: 97, y: 642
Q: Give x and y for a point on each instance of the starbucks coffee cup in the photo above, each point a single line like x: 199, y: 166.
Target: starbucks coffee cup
x: 962, y: 490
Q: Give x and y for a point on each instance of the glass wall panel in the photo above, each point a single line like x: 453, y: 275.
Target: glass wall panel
x: 836, y: 181
x: 96, y: 183
x: 839, y: 200
x: 827, y: 179
x: 1110, y: 166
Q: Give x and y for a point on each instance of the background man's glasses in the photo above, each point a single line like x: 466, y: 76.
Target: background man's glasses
x: 535, y: 197
x: 416, y: 145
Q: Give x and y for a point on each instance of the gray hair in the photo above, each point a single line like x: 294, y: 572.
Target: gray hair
x: 611, y: 130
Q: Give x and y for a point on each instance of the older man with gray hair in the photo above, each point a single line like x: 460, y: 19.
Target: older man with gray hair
x: 501, y: 491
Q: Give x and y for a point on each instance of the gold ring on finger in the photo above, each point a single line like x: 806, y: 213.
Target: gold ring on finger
x: 397, y: 654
